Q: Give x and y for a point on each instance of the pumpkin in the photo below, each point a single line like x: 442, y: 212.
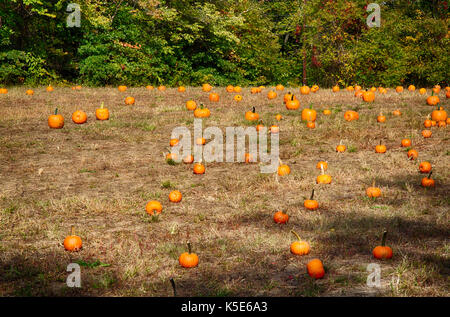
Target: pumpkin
x: 311, y: 124
x: 3, y: 91
x: 433, y: 123
x: 173, y: 142
x: 380, y: 148
x: 411, y: 88
x: 279, y: 87
x: 78, y: 87
x: 335, y: 88
x: 315, y: 269
x: 447, y: 94
x: 287, y: 97
x: 396, y: 112
x: 171, y: 156
x: 383, y: 90
x: 73, y: 242
x: 406, y: 142
x: 49, y: 88
x: 188, y: 159
x: 359, y: 93
x: 102, y: 113
x: 29, y: 92
x: 214, y: 97
x: 206, y: 87
x: 56, y: 121
x: 255, y: 90
x: 368, y: 96
x: 426, y: 133
x: 129, y: 100
x: 351, y: 115
x: 428, y: 181
x: 357, y: 88
x: 292, y: 104
x: 237, y: 98
x: 153, y: 207
x: 322, y: 164
x: 373, y: 192
x: 422, y: 91
x: 433, y: 100
x: 199, y: 168
x: 175, y: 196
x: 323, y: 178
x: 314, y: 88
x: 200, y: 141
x: 448, y: 120
x: 439, y: 115
x: 399, y: 89
x: 278, y: 117
x: 122, y: 88
x: 373, y: 89
x: 202, y: 112
x: 441, y: 124
x: 309, y: 114
x: 259, y: 127
x: 304, y: 90
x: 237, y: 89
x: 283, y: 169
x: 149, y: 87
x: 412, y: 154
x: 427, y: 123
x: 425, y: 167
x: 382, y: 251
x: 381, y: 118
x: 274, y: 129
x: 280, y: 217
x: 299, y: 247
x: 181, y: 89
x: 310, y: 203
x: 341, y: 147
x: 327, y: 112
x: 252, y: 115
x: 191, y: 105
x: 79, y: 117
x: 271, y: 94
x: 249, y: 158
x: 436, y: 89
x: 162, y: 88
x: 188, y: 259
x: 230, y: 88
x: 350, y: 88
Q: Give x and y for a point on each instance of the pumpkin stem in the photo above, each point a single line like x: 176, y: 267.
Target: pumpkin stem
x: 189, y: 247
x: 383, y: 239
x: 279, y: 161
x: 173, y: 286
x: 321, y: 168
x: 296, y: 234
x: 56, y: 111
x: 292, y: 98
x: 373, y: 183
x: 101, y: 106
x: 253, y: 110
x: 312, y: 194
x: 72, y: 230
x: 429, y: 175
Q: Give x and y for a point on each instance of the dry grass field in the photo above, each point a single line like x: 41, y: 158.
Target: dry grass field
x: 99, y: 176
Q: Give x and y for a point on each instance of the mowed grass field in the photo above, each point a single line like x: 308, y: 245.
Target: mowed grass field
x: 99, y: 176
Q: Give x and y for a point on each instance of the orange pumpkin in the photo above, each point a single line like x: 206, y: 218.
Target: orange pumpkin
x: 153, y: 207
x: 102, y: 113
x: 175, y: 196
x: 279, y: 87
x: 382, y: 251
x: 426, y: 133
x: 373, y: 192
x: 202, y: 112
x: 230, y: 88
x: 181, y: 89
x: 368, y: 96
x: 122, y: 88
x: 237, y: 98
x: 315, y: 269
x: 56, y: 121
x: 299, y: 247
x: 280, y: 217
x: 428, y: 181
x: 188, y: 259
x: 206, y: 87
x: 199, y: 168
x: 191, y: 105
x: 271, y: 94
x: 283, y: 169
x: 399, y: 89
x: 252, y: 115
x: 310, y: 203
x: 425, y: 167
x: 439, y: 115
x: 351, y: 115
x: 214, y: 97
x: 304, y: 90
x: 309, y: 114
x: 412, y: 154
x: 73, y: 242
x: 314, y: 88
x: 433, y: 100
x: 335, y: 88
x: 29, y: 92
x: 49, y: 88
x: 79, y: 117
x: 129, y: 100
x: 411, y: 88
x: 162, y: 88
x: 293, y: 103
x: 406, y: 142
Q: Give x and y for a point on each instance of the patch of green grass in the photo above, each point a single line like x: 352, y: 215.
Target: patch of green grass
x: 92, y: 264
x: 352, y: 149
x: 167, y: 184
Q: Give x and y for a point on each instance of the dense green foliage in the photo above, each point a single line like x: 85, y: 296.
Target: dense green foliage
x: 246, y: 42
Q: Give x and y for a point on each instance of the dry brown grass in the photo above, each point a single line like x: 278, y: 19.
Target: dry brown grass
x: 99, y: 176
